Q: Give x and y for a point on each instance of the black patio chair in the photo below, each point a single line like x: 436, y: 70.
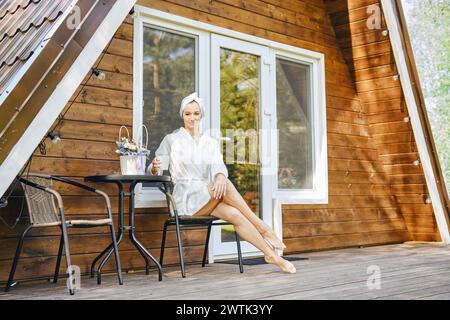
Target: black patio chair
x: 40, y: 197
x: 190, y: 222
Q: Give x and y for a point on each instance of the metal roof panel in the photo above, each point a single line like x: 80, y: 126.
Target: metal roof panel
x: 24, y: 25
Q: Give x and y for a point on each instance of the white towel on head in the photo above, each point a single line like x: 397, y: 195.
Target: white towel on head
x: 192, y: 97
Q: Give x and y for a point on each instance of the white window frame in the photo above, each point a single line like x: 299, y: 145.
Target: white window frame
x: 319, y: 193
x: 151, y: 197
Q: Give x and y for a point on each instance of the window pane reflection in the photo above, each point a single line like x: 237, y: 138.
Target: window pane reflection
x: 239, y: 120
x: 169, y: 76
x: 294, y: 123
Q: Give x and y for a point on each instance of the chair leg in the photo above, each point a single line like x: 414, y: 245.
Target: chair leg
x: 58, y: 259
x: 208, y: 234
x: 163, y: 243
x: 180, y: 247
x: 116, y: 255
x: 10, y: 283
x: 67, y: 253
x: 238, y: 245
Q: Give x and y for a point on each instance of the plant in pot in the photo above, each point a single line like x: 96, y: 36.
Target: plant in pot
x: 133, y: 155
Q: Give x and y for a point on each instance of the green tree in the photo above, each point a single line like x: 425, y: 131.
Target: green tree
x: 429, y: 28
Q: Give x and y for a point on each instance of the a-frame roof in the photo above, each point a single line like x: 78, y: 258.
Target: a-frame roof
x: 47, y: 47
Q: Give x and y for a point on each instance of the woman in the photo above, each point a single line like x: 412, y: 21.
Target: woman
x: 192, y: 157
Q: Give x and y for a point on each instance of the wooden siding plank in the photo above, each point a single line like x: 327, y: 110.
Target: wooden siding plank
x: 303, y: 216
x: 393, y: 116
x: 70, y: 148
x: 82, y: 130
x: 352, y: 153
x: 335, y: 6
x: 347, y: 41
x: 384, y: 106
x: 115, y: 63
x: 357, y: 177
x: 281, y: 14
x: 372, y: 61
x: 347, y: 240
x: 375, y: 72
x: 106, y: 97
x: 341, y: 228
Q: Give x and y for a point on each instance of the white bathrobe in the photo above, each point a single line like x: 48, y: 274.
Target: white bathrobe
x: 192, y: 165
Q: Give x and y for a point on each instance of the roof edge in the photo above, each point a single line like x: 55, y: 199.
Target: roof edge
x: 422, y: 106
x: 404, y: 57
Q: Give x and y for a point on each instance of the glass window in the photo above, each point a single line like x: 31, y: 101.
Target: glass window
x: 240, y: 78
x: 239, y: 121
x: 169, y: 74
x: 295, y: 157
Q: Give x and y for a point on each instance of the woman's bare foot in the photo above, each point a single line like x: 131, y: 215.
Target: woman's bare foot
x: 272, y: 240
x: 284, y: 265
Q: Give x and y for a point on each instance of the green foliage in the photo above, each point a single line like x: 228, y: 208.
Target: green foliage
x: 169, y: 75
x: 429, y: 29
x: 239, y: 109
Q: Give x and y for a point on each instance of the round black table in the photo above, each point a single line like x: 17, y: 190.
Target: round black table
x: 163, y: 184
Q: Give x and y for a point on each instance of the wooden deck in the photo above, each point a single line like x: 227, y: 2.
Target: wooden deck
x: 408, y: 271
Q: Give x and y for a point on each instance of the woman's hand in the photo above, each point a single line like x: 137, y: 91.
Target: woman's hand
x: 156, y: 165
x: 220, y: 186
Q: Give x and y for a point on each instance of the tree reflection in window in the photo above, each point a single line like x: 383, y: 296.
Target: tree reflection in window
x: 169, y: 64
x: 239, y: 113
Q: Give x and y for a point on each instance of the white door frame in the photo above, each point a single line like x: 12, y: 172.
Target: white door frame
x: 228, y: 250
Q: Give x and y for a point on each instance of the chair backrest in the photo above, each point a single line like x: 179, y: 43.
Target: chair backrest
x: 41, y: 205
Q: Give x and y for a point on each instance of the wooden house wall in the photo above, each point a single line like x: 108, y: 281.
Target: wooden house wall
x: 372, y: 67
x: 363, y: 208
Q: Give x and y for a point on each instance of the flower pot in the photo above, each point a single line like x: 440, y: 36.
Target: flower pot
x: 132, y: 165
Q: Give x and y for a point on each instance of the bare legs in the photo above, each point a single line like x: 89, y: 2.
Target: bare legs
x: 248, y: 232
x: 248, y: 228
x: 234, y: 199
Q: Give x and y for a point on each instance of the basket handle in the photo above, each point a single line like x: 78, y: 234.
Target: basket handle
x: 120, y: 132
x: 146, y: 136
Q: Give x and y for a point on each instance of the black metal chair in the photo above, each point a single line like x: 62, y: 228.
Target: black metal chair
x: 40, y: 197
x: 190, y: 222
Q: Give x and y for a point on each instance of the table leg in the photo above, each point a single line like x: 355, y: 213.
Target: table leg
x: 108, y: 248
x: 144, y: 252
x: 132, y: 228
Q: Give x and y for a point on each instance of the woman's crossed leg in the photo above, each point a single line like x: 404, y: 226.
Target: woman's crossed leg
x: 234, y: 198
x: 245, y: 229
